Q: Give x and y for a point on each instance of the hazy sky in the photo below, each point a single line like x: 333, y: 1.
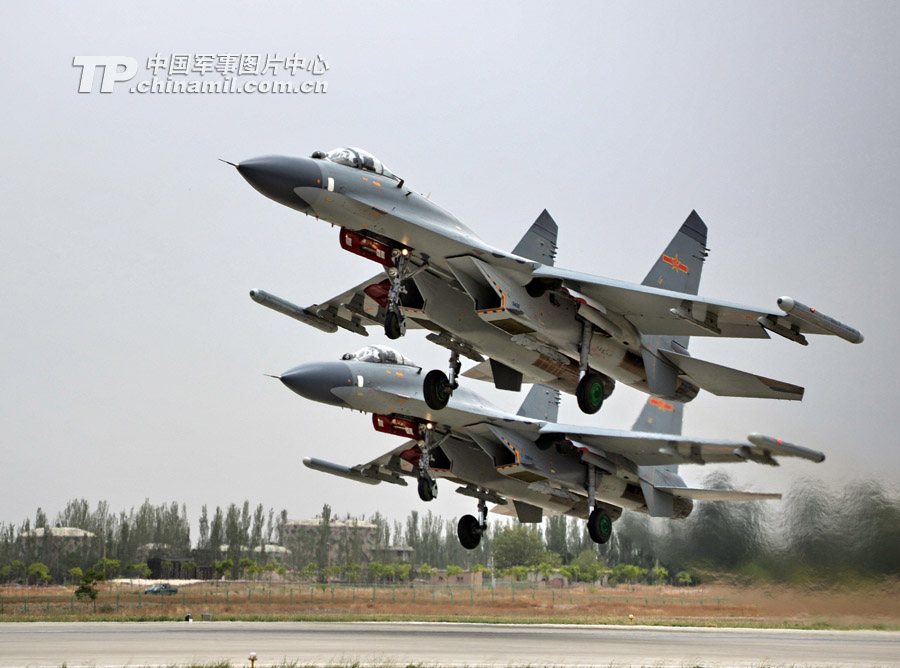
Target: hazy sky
x: 133, y: 360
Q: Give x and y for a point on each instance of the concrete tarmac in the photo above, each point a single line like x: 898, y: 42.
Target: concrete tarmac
x: 382, y: 644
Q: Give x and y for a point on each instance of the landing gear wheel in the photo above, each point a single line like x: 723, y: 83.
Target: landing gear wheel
x: 600, y: 526
x: 437, y: 389
x: 590, y: 393
x: 427, y: 489
x: 392, y: 328
x: 469, y: 532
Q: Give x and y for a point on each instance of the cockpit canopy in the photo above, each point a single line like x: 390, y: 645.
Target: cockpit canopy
x: 379, y: 355
x: 359, y: 159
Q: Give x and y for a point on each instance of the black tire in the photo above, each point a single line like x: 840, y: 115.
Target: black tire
x: 600, y: 526
x: 469, y: 532
x: 392, y: 325
x: 426, y: 490
x: 437, y: 390
x: 590, y: 393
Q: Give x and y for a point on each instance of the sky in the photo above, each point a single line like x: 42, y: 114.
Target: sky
x: 133, y: 361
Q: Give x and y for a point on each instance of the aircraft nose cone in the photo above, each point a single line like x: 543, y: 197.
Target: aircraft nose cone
x: 278, y: 176
x: 316, y: 380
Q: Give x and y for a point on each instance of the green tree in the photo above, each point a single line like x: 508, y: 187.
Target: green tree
x: 425, y: 571
x: 141, y: 570
x: 352, y: 572
x: 17, y: 569
x: 589, y: 565
x: 109, y: 567
x: 684, y: 578
x: 660, y: 574
x: 323, y: 541
x: 245, y: 565
x: 518, y: 546
x: 39, y: 572
x: 403, y: 571
x: 87, y: 588
x: 453, y: 571
x: 75, y: 573
x: 220, y: 567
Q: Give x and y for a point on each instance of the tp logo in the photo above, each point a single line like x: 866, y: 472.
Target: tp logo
x: 111, y: 71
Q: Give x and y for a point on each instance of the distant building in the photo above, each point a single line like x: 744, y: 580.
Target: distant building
x: 62, y: 540
x: 474, y: 578
x: 342, y: 535
x: 178, y: 569
x: 276, y: 553
x: 150, y: 550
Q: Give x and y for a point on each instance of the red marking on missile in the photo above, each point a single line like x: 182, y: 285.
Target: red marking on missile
x: 676, y: 263
x: 661, y: 405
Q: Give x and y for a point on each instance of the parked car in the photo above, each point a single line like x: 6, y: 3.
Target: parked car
x: 161, y: 588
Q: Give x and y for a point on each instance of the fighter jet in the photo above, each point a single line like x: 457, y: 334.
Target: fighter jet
x: 527, y: 463
x: 515, y: 314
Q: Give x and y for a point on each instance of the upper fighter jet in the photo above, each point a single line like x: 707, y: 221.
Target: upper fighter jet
x: 535, y: 323
x: 525, y: 463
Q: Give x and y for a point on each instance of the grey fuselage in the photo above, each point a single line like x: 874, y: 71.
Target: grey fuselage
x: 485, y: 448
x: 466, y: 287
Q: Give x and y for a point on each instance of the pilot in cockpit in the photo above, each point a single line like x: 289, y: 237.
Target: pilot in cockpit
x: 358, y: 159
x: 379, y: 355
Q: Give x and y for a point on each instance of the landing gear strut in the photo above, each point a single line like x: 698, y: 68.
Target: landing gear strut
x: 590, y: 391
x: 437, y: 387
x: 427, y: 484
x: 394, y: 322
x: 599, y: 522
x: 470, y: 529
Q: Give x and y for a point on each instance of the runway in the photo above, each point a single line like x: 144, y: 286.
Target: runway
x: 383, y: 644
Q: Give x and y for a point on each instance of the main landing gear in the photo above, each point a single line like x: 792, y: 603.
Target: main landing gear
x: 427, y: 484
x: 470, y: 529
x: 599, y: 522
x: 590, y: 391
x: 394, y: 322
x: 437, y: 387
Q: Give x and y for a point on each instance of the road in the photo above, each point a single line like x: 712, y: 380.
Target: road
x: 161, y: 644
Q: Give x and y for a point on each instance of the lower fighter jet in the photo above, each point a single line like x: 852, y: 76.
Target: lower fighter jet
x: 527, y: 463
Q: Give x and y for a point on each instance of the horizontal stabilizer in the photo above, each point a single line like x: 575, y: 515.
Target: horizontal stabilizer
x: 724, y: 381
x: 717, y: 494
x: 484, y: 371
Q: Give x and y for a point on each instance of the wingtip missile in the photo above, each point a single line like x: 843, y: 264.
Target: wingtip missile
x: 818, y: 320
x: 292, y: 311
x: 337, y: 469
x: 777, y: 446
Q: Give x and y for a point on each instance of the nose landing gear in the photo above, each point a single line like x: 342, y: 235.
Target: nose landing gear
x: 394, y: 322
x: 438, y: 388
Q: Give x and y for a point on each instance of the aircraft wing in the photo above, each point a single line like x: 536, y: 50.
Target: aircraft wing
x: 649, y: 449
x: 353, y: 310
x: 654, y: 311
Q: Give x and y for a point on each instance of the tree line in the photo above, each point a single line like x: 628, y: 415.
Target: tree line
x: 817, y: 533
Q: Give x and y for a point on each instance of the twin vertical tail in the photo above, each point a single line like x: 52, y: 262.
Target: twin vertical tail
x: 681, y: 263
x: 678, y: 269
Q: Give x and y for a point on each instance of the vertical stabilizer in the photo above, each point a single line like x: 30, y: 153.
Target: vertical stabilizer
x: 679, y: 267
x: 539, y: 242
x: 542, y: 403
x: 661, y: 417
